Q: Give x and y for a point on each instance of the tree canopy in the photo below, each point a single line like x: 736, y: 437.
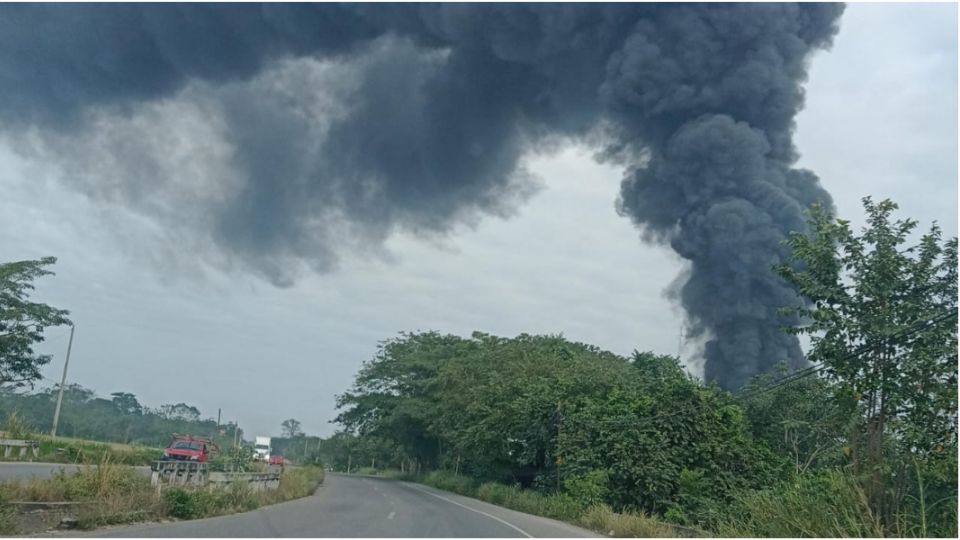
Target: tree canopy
x: 873, y: 419
x: 22, y: 322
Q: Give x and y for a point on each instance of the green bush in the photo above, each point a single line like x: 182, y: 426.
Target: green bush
x: 188, y: 504
x: 494, y: 493
x: 561, y: 506
x: 451, y: 482
x: 591, y: 488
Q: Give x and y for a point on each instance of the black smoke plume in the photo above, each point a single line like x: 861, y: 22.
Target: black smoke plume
x: 338, y: 124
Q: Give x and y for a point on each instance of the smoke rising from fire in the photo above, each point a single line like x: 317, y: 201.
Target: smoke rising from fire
x: 270, y: 136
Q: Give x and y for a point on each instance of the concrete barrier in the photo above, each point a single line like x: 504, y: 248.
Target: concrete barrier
x: 193, y: 474
x: 33, y: 517
x: 178, y: 473
x: 21, y: 446
x: 257, y: 481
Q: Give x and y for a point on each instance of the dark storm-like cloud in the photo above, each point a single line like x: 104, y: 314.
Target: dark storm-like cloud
x: 343, y: 123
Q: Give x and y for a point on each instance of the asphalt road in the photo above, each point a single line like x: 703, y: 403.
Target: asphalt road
x: 17, y: 471
x: 353, y: 506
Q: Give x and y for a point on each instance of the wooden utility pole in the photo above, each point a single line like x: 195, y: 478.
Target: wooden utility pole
x: 559, y: 427
x: 63, y: 381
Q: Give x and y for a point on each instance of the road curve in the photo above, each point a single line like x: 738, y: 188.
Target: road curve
x: 354, y: 506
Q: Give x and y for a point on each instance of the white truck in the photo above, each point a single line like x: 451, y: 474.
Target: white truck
x: 261, y: 447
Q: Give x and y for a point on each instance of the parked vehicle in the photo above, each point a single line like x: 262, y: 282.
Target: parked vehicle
x: 277, y: 460
x: 189, y: 448
x: 261, y: 448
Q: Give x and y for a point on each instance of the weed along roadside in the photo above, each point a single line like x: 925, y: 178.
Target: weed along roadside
x: 109, y: 494
x: 597, y: 517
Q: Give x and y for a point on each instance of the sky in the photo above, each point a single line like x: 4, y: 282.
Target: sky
x: 880, y: 120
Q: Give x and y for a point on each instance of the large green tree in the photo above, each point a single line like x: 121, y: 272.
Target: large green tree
x: 23, y: 322
x: 395, y: 397
x: 881, y: 315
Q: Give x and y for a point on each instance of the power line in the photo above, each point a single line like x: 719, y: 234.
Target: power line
x: 915, y: 328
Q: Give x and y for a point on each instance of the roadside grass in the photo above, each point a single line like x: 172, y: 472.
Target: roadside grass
x: 295, y: 483
x: 119, y: 495
x: 824, y: 505
x: 395, y: 474
x: 71, y: 450
x: 602, y: 519
x: 8, y: 523
x: 559, y: 506
x: 829, y: 504
x: 61, y: 450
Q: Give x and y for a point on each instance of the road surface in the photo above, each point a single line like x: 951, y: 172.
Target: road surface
x: 354, y: 506
x: 18, y: 470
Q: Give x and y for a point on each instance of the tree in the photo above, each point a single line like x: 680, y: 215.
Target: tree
x: 882, y: 322
x: 291, y: 428
x: 22, y: 322
x: 127, y: 403
x: 180, y: 411
x: 395, y: 395
x: 800, y: 419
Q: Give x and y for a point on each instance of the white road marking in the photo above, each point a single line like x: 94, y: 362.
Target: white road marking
x: 391, y: 514
x: 507, y: 523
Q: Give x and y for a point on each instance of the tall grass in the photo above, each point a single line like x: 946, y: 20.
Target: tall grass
x: 602, y: 519
x: 239, y: 497
x: 16, y: 427
x: 829, y: 504
x: 68, y: 450
x: 119, y: 494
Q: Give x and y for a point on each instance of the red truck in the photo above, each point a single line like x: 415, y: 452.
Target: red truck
x: 188, y: 448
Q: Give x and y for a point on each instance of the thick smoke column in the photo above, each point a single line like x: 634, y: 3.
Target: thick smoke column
x: 335, y: 125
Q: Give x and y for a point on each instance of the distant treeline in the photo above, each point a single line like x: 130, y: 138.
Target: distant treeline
x: 120, y: 418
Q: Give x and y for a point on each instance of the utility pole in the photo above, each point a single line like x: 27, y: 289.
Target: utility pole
x: 559, y: 458
x: 63, y: 381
